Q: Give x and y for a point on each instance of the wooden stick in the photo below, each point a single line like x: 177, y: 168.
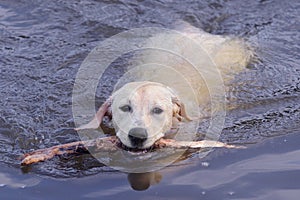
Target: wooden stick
x: 100, y: 144
x: 111, y: 144
x: 194, y: 144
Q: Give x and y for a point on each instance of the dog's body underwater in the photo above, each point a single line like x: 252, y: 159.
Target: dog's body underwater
x: 178, y: 73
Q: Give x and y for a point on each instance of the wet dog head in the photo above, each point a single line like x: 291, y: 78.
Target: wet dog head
x: 143, y: 112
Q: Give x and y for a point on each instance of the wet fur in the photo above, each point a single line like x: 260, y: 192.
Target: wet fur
x: 168, y: 87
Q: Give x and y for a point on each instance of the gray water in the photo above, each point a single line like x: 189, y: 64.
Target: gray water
x: 43, y: 43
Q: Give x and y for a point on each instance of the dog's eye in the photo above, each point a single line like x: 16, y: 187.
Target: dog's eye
x: 157, y: 110
x: 126, y: 108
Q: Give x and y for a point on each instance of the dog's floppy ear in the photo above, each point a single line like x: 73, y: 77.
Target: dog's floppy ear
x: 96, y: 121
x: 179, y: 111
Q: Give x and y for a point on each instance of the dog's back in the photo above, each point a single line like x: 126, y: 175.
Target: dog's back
x: 196, y: 64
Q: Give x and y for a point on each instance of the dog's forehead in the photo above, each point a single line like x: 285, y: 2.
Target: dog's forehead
x: 142, y: 92
x: 151, y: 94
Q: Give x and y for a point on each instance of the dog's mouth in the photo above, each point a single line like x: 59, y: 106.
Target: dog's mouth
x: 141, y: 145
x: 136, y: 149
x: 140, y: 149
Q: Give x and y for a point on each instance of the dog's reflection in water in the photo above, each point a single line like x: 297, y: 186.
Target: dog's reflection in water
x: 142, y: 181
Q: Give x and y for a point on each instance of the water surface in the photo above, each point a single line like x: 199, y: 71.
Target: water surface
x: 43, y: 43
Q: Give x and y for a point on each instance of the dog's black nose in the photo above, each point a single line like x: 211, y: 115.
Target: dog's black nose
x: 137, y: 136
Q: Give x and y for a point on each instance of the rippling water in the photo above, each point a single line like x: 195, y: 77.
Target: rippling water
x: 43, y: 43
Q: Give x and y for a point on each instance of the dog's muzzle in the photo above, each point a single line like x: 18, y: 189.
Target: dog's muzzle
x: 137, y: 137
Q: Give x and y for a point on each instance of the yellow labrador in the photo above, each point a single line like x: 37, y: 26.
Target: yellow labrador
x: 143, y: 112
x: 150, y: 107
